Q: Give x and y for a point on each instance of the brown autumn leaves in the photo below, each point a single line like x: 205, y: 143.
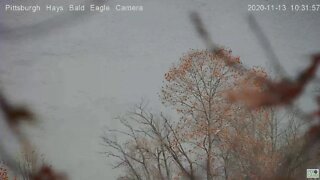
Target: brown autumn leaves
x: 229, y: 127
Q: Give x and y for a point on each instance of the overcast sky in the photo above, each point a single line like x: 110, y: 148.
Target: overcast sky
x: 80, y: 71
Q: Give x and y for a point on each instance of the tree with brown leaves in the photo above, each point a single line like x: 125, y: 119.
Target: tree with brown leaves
x: 213, y: 139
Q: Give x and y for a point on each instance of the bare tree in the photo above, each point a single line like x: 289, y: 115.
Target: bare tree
x: 153, y: 150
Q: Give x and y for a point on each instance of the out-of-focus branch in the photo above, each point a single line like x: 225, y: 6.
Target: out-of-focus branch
x: 266, y: 45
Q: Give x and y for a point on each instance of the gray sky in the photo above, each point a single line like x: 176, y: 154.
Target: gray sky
x: 79, y: 71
